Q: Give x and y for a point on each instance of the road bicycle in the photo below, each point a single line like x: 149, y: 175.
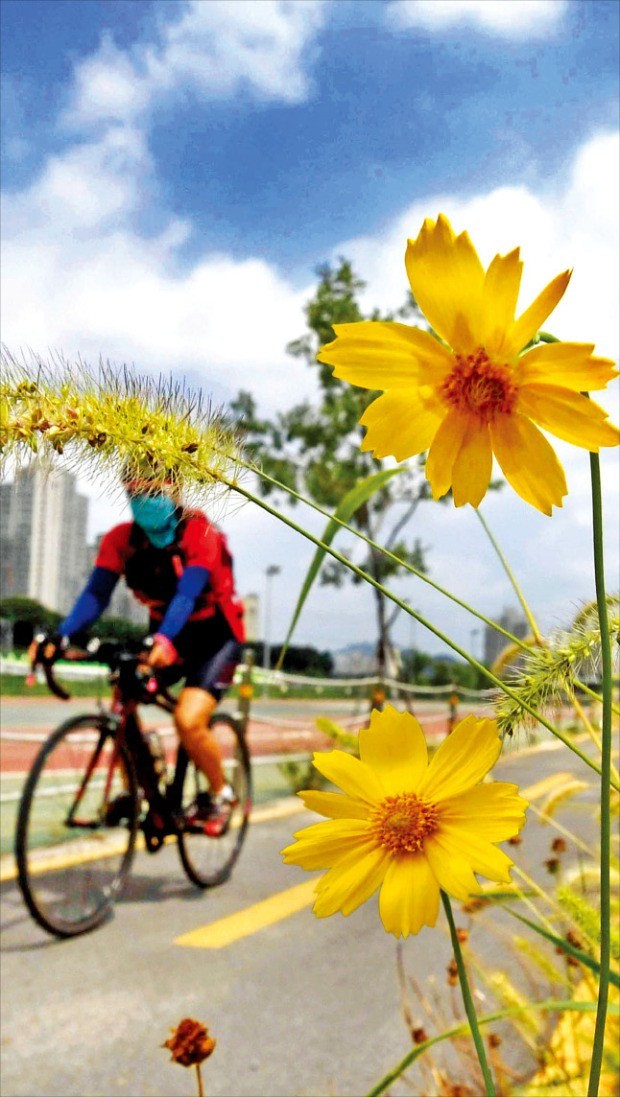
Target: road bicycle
x: 99, y: 786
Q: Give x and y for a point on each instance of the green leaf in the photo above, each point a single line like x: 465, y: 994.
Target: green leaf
x: 346, y: 508
x: 550, y: 1006
x: 562, y: 943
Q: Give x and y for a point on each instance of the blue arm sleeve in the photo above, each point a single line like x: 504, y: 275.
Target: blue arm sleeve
x: 91, y: 602
x: 192, y: 583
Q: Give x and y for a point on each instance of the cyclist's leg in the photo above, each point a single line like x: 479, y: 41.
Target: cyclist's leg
x: 193, y: 712
x: 205, y: 684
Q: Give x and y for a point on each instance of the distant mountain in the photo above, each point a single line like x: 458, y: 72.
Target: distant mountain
x: 357, y: 649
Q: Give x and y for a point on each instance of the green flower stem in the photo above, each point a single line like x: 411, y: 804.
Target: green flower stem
x: 509, y: 572
x: 536, y: 631
x: 595, y: 696
x: 606, y: 777
x: 549, y: 1006
x: 468, y: 1001
x: 385, y: 552
x: 595, y: 737
x: 523, y: 644
x: 236, y: 486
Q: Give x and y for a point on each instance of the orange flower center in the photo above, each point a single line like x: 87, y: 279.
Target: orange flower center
x: 480, y: 387
x: 402, y: 823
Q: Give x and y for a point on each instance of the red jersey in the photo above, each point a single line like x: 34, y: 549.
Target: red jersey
x: 152, y: 574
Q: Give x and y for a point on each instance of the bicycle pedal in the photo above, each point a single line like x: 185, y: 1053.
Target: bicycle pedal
x: 154, y: 830
x: 153, y: 842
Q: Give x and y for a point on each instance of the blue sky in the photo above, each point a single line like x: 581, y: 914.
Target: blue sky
x: 387, y: 112
x: 171, y: 167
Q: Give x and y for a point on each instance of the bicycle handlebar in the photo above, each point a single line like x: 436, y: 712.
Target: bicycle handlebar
x: 39, y: 660
x: 109, y: 652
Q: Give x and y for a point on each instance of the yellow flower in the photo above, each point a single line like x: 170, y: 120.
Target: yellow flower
x: 405, y: 825
x: 474, y: 393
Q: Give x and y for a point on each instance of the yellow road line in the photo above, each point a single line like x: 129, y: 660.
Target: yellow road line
x: 55, y: 860
x: 245, y: 922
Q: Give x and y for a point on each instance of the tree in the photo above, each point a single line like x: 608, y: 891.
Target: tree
x: 315, y: 449
x: 117, y: 628
x: 27, y: 616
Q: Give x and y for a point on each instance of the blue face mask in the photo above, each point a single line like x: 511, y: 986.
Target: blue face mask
x: 157, y: 516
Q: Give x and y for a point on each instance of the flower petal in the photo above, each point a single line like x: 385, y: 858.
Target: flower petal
x: 409, y: 896
x: 462, y: 760
x: 499, y: 301
x: 528, y: 462
x: 494, y: 811
x: 335, y: 805
x: 394, y: 747
x: 325, y: 844
x: 482, y: 856
x: 529, y: 322
x: 401, y: 423
x: 385, y: 355
x: 569, y: 416
x: 446, y: 278
x: 570, y: 365
x: 471, y: 471
x: 353, y: 881
x: 444, y: 451
x: 349, y: 774
x: 453, y: 873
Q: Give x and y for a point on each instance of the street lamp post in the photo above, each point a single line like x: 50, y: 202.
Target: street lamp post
x: 272, y: 570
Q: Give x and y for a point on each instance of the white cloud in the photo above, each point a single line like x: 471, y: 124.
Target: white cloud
x: 78, y: 277
x: 215, y: 49
x: 572, y: 223
x: 507, y: 18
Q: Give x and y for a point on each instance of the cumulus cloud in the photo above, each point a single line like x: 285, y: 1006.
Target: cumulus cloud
x: 571, y: 223
x: 215, y: 49
x: 79, y: 277
x: 517, y: 19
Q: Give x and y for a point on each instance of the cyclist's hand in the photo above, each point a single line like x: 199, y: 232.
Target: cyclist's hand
x: 48, y: 648
x: 162, y: 654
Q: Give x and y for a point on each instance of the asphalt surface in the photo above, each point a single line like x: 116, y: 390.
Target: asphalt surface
x: 299, y: 1007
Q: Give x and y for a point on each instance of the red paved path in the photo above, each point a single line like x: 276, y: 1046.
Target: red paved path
x: 264, y: 739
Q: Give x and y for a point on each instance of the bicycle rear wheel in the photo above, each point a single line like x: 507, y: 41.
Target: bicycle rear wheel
x: 73, y: 853
x: 209, y: 861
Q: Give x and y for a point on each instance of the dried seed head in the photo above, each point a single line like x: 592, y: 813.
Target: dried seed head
x: 190, y: 1043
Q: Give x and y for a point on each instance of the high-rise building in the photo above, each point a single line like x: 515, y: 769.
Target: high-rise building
x: 494, y: 643
x: 43, y: 532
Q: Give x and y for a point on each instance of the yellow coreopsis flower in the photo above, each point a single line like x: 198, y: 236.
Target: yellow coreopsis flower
x: 474, y: 393
x: 407, y: 826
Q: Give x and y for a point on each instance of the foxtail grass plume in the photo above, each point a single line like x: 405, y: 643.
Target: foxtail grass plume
x: 113, y: 425
x: 476, y: 388
x: 407, y: 826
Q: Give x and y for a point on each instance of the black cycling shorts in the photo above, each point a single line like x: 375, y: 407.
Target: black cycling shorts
x: 209, y: 653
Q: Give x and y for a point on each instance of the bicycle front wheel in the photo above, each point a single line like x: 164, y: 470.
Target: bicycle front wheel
x: 76, y: 828
x: 209, y: 861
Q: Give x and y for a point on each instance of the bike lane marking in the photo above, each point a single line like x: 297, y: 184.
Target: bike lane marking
x: 59, y: 859
x: 246, y: 922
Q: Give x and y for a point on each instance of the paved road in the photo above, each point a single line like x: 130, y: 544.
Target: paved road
x: 300, y: 1007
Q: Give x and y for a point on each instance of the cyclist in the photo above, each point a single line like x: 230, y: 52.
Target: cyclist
x: 176, y: 562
